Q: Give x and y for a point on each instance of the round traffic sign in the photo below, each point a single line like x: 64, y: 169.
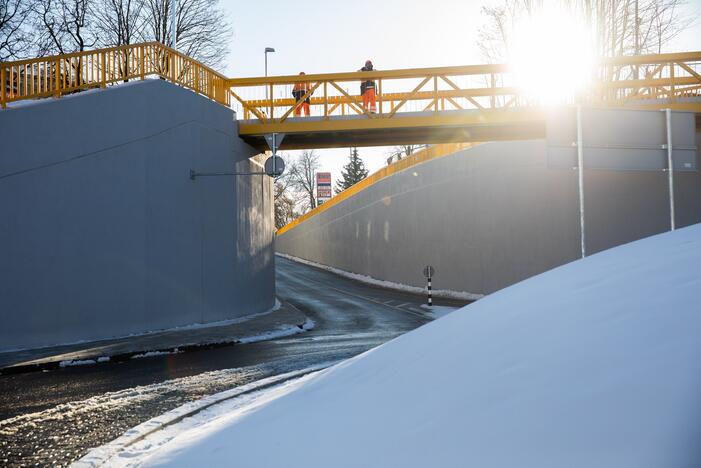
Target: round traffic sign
x: 274, y: 166
x: 429, y: 271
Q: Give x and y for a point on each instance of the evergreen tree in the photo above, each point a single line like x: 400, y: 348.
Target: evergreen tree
x: 352, y: 173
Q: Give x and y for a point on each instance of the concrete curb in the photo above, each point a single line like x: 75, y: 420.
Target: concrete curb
x: 278, y: 322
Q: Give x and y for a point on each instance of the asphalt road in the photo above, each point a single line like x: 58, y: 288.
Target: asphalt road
x: 54, y: 417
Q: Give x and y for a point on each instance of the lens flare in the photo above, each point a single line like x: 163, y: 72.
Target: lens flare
x: 551, y: 56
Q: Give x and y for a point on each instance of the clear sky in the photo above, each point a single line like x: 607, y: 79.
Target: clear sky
x: 323, y: 36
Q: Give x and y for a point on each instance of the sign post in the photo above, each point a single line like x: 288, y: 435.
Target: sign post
x: 429, y: 271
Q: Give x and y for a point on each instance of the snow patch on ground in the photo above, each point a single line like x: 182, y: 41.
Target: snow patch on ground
x: 83, y: 362
x: 594, y: 363
x: 444, y: 293
x: 280, y: 332
x: 155, y: 353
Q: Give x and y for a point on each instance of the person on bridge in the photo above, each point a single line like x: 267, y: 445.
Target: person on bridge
x: 299, y: 90
x: 367, y: 89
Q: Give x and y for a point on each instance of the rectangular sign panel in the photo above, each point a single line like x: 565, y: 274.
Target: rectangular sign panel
x: 323, y: 192
x: 621, y: 139
x: 323, y: 179
x: 323, y: 185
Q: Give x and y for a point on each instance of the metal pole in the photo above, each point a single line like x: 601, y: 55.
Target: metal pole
x: 430, y: 294
x: 670, y: 167
x: 266, y: 74
x: 637, y: 39
x: 274, y: 148
x: 173, y: 26
x: 580, y: 169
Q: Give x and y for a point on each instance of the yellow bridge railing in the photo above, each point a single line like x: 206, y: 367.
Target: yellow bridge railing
x: 665, y: 79
x: 62, y: 74
x: 617, y: 81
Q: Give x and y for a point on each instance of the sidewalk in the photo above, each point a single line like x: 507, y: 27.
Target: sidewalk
x: 283, y: 321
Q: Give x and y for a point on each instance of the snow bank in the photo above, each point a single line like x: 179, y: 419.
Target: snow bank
x: 594, y: 364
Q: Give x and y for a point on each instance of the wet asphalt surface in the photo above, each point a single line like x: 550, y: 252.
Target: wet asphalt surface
x: 52, y: 418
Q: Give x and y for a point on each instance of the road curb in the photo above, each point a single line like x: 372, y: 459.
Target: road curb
x: 295, y: 322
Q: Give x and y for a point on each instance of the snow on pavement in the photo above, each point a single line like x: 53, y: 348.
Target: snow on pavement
x: 593, y: 364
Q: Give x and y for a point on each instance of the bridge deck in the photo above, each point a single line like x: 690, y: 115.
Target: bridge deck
x: 406, y: 128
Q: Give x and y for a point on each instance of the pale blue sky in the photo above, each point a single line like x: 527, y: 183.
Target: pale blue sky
x: 319, y: 36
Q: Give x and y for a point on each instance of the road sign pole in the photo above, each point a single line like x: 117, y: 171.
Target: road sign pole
x: 430, y: 296
x: 580, y: 181
x: 670, y: 168
x: 429, y: 271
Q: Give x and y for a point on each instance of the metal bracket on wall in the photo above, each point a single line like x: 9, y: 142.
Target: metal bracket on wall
x: 194, y: 174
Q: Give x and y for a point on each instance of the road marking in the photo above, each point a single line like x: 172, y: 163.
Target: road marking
x: 405, y: 304
x: 376, y: 301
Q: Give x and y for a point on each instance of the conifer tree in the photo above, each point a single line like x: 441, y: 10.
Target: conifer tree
x: 353, y: 172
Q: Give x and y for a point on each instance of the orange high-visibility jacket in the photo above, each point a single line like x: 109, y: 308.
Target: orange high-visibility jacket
x: 302, y: 87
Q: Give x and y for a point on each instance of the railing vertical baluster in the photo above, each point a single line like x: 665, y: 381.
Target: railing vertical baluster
x: 272, y: 106
x: 56, y: 77
x: 672, y: 88
x: 435, y: 93
x: 326, y: 100
x: 143, y: 62
x: 3, y: 90
x: 379, y: 96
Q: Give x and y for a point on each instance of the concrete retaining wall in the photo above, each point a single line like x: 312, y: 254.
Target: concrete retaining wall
x: 495, y: 214
x: 103, y: 232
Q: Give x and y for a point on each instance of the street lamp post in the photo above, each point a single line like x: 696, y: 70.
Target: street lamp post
x: 267, y: 50
x: 173, y: 31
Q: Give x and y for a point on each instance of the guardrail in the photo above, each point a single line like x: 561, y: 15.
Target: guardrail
x: 63, y: 74
x: 617, y: 81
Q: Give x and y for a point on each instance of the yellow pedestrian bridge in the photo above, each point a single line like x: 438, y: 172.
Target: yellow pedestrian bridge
x: 470, y: 103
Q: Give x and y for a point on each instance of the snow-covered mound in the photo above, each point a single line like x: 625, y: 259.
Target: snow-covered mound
x: 594, y: 364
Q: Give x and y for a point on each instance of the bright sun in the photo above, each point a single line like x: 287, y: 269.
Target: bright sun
x: 551, y: 56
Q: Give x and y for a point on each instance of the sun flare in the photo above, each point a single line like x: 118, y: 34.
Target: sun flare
x: 552, y: 57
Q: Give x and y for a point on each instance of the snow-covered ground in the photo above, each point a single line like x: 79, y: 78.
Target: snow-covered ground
x: 593, y: 364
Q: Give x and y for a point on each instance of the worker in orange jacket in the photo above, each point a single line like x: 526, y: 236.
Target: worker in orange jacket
x: 367, y: 89
x: 299, y: 90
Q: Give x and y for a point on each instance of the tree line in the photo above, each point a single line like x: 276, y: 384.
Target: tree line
x: 619, y: 27
x: 35, y: 28
x: 295, y: 191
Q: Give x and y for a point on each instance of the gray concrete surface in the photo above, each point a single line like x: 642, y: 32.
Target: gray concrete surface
x: 103, y: 232
x: 257, y: 326
x: 73, y: 409
x: 495, y: 214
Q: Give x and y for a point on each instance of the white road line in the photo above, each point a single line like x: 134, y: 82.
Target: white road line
x: 366, y: 298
